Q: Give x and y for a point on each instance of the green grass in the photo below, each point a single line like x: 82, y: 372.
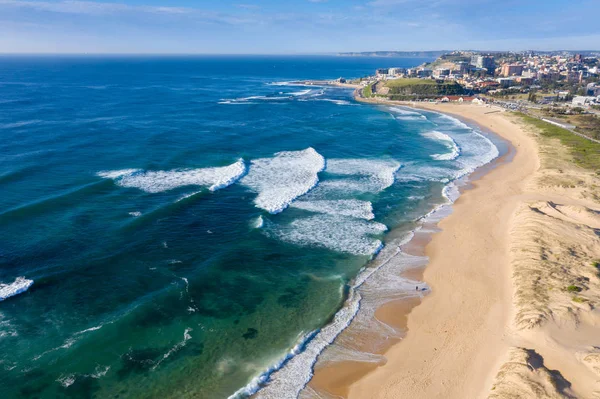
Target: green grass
x: 573, y: 288
x: 409, y: 82
x: 585, y: 153
x: 578, y: 299
x: 403, y: 89
x: 367, y: 92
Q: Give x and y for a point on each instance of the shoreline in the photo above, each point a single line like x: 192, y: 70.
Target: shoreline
x: 339, y: 378
x: 452, y: 332
x: 516, y: 313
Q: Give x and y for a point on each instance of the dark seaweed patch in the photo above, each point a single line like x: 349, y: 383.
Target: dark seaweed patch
x: 251, y: 333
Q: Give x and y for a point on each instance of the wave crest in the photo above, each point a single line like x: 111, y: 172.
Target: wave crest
x: 283, y: 178
x: 159, y: 181
x: 20, y: 285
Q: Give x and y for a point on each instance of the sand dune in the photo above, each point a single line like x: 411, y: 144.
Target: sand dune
x: 525, y: 376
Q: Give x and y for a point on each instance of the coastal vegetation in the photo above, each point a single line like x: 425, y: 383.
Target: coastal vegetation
x: 573, y: 288
x: 585, y: 153
x: 406, y: 89
x: 367, y: 91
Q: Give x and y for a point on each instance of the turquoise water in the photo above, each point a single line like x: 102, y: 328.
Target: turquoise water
x: 173, y: 227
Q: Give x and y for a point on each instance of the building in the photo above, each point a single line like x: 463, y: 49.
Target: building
x: 382, y: 72
x: 525, y: 81
x: 482, y: 61
x: 396, y: 71
x: 511, y: 70
x: 584, y: 101
x: 441, y: 72
x: 458, y: 99
x: 461, y: 68
x: 593, y: 89
x: 424, y: 73
x: 487, y: 84
x: 506, y: 82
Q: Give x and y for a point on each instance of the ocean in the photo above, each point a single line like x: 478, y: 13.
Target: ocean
x: 201, y: 226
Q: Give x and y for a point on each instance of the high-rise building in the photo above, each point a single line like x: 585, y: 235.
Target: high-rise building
x: 486, y: 62
x: 512, y: 70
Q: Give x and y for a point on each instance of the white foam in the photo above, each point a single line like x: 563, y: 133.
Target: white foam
x: 448, y: 142
x: 258, y: 223
x: 177, y: 347
x: 301, y: 93
x: 379, y: 173
x: 96, y: 328
x: 292, y: 83
x: 232, y: 102
x: 256, y: 382
x: 292, y: 376
x: 100, y: 371
x: 115, y: 174
x: 453, y: 121
x: 66, y: 380
x: 405, y: 111
x: 338, y: 233
x: 283, y: 178
x: 288, y: 381
x: 353, y: 208
x: 253, y: 99
x: 6, y: 329
x: 185, y: 196
x: 20, y: 285
x: 159, y: 181
x: 338, y: 102
x: 415, y: 172
x: 135, y: 214
x: 477, y: 150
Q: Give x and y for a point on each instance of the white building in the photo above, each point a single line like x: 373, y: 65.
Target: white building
x: 396, y: 71
x: 584, y: 101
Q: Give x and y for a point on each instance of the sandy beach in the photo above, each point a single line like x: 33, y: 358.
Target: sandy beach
x: 514, y: 285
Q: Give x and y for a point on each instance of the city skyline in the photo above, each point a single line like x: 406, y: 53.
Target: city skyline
x: 297, y: 27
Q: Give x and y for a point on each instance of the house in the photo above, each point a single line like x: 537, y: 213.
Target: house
x: 458, y: 99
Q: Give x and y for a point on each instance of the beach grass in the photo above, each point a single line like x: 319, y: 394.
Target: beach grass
x: 367, y: 91
x: 586, y: 153
x: 573, y: 288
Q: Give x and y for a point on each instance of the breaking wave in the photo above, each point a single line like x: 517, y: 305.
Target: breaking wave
x: 334, y: 232
x: 448, y: 142
x: 377, y: 175
x: 159, y: 181
x: 353, y: 208
x: 283, y: 178
x: 20, y: 285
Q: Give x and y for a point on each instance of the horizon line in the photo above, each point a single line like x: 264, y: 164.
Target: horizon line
x: 330, y: 53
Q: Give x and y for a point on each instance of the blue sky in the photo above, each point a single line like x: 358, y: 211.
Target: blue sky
x: 295, y: 26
